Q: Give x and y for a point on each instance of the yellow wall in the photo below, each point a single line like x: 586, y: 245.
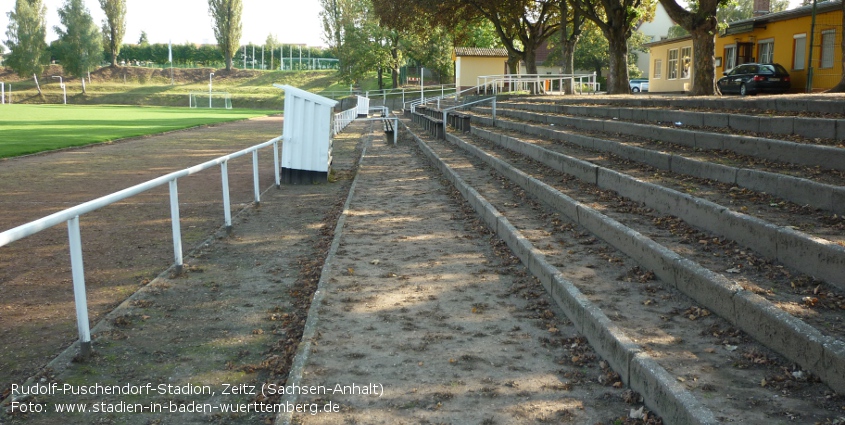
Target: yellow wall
x: 783, y: 34
x: 664, y: 83
x: 469, y: 68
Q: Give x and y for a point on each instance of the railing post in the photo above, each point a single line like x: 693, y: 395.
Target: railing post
x: 276, y: 164
x: 255, y: 177
x: 494, y: 109
x: 227, y: 206
x: 177, y: 227
x: 395, y: 130
x: 79, y: 296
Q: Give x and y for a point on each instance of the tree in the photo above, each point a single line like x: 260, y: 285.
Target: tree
x: 114, y: 26
x: 272, y: 43
x: 700, y: 21
x: 227, y: 26
x: 616, y: 20
x: 26, y: 38
x: 736, y: 10
x: 143, y: 40
x: 79, y: 46
x: 570, y: 33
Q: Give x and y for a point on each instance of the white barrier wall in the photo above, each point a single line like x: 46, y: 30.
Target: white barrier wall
x: 363, y: 106
x: 307, y: 146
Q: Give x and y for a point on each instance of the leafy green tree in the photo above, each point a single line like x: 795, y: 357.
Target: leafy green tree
x: 114, y: 27
x: 736, y: 10
x: 26, y: 37
x: 272, y: 44
x: 616, y: 19
x: 143, y: 40
x: 79, y: 46
x: 227, y: 26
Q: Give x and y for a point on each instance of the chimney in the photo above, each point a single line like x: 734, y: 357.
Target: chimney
x: 762, y: 7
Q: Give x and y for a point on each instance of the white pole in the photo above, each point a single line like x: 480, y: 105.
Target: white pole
x: 253, y: 57
x: 244, y: 56
x: 2, y: 93
x: 227, y: 207
x: 255, y: 177
x: 209, y: 89
x: 62, y: 85
x: 262, y: 57
x: 176, y: 226
x: 10, y: 93
x: 300, y: 57
x: 422, y: 93
x: 78, y: 272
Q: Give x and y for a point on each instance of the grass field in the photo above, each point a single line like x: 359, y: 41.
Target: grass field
x: 26, y: 129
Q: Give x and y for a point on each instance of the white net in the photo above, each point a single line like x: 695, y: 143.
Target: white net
x: 213, y: 100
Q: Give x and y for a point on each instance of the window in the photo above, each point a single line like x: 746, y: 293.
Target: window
x: 658, y: 68
x: 766, y: 50
x: 730, y: 57
x: 673, y: 64
x: 799, y: 51
x: 686, y: 61
x: 828, y: 37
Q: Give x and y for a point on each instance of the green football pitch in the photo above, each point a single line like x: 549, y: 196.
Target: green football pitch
x: 26, y: 129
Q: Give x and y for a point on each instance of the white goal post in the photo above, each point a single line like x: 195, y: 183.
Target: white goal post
x: 216, y: 100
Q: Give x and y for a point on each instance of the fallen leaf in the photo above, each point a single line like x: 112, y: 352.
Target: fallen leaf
x: 637, y: 414
x: 732, y: 270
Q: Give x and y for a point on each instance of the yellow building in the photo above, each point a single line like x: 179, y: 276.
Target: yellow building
x: 781, y: 37
x: 785, y: 38
x: 471, y: 62
x: 671, y: 67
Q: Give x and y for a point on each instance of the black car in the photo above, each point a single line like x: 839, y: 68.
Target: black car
x: 753, y: 78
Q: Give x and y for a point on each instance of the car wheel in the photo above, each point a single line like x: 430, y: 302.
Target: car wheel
x: 635, y: 89
x: 743, y: 90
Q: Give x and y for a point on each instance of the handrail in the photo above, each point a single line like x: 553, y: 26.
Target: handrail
x: 72, y: 215
x: 494, y: 81
x: 447, y: 110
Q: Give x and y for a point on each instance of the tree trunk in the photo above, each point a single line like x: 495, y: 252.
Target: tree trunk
x: 617, y: 77
x: 704, y: 72
x: 380, y: 78
x: 394, y: 53
x: 228, y: 61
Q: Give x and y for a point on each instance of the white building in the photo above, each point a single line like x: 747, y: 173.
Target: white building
x: 655, y: 30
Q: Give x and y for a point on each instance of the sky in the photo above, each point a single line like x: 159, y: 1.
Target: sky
x: 291, y: 21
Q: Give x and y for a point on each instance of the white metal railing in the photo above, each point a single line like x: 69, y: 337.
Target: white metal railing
x: 447, y: 110
x: 72, y: 215
x: 3, y: 93
x: 513, y: 82
x: 342, y: 119
x: 406, y: 92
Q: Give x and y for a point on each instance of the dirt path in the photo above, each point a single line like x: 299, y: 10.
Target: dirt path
x: 427, y: 318
x: 124, y: 245
x: 230, y: 323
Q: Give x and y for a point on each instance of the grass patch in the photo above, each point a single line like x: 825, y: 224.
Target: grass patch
x: 28, y: 129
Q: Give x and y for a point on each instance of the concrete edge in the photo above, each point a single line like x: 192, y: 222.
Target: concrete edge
x: 674, y: 403
x: 294, y: 378
x: 697, y: 282
x: 796, y: 249
x: 790, y: 188
x: 772, y: 149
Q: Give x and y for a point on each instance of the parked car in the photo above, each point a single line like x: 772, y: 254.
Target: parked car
x: 638, y: 84
x: 753, y: 78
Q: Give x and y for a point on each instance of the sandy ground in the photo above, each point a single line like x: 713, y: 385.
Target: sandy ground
x: 427, y: 318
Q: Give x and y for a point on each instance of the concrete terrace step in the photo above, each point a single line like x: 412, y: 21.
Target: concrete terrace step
x: 826, y: 157
x: 799, y: 190
x: 809, y: 127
